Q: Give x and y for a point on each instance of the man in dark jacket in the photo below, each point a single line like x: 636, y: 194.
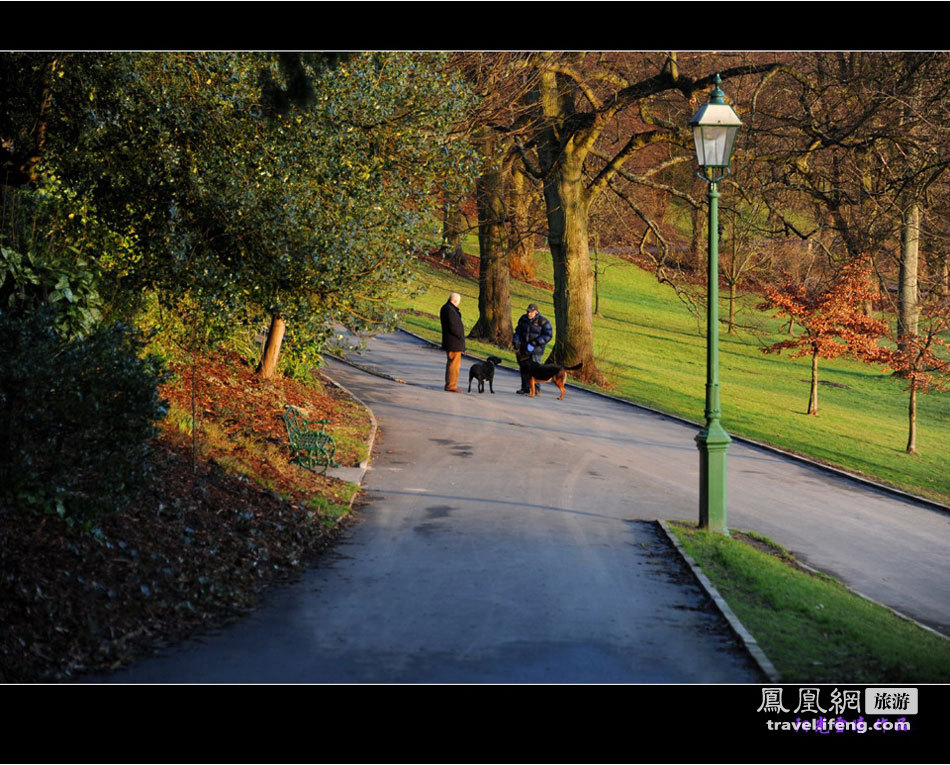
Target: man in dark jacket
x: 531, y: 335
x: 453, y: 340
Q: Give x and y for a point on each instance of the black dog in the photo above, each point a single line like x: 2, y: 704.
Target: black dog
x: 482, y: 371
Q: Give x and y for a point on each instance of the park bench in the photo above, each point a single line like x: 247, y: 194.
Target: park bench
x: 310, y: 445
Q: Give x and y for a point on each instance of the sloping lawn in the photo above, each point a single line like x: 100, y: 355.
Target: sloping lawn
x: 812, y: 628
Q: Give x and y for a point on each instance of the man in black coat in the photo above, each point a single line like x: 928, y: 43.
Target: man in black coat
x: 531, y: 335
x: 453, y: 340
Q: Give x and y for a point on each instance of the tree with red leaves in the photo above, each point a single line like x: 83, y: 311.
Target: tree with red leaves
x: 923, y: 360
x: 832, y: 318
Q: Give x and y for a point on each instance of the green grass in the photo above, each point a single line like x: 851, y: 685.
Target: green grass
x: 329, y: 512
x: 653, y: 352
x: 351, y: 434
x: 811, y: 627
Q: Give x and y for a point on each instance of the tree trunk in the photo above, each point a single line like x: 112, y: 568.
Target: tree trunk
x: 908, y: 309
x: 520, y: 236
x: 696, y: 250
x: 31, y: 165
x: 813, y: 398
x: 733, y: 274
x: 275, y: 337
x: 596, y: 274
x: 567, y: 206
x: 494, y: 308
x: 912, y: 421
x: 573, y: 277
x: 732, y: 306
x: 452, y: 232
x: 869, y: 303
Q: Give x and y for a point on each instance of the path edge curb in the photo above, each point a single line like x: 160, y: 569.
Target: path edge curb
x: 745, y: 637
x: 861, y: 595
x: 373, y: 429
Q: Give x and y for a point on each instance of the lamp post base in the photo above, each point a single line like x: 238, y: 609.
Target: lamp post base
x: 712, y: 441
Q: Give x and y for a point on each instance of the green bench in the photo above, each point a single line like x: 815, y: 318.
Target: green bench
x: 310, y: 446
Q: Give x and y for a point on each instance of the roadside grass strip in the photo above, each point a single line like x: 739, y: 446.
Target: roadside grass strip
x: 809, y: 625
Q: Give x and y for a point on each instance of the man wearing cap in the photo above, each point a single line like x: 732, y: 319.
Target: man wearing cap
x: 532, y: 334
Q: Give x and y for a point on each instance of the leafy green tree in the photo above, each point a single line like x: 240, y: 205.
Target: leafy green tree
x: 76, y: 417
x: 126, y: 142
x: 289, y: 185
x: 352, y: 203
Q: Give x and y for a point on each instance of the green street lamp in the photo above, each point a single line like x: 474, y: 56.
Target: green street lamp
x: 715, y: 126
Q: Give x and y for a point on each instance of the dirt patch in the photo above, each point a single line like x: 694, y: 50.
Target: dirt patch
x: 470, y: 267
x: 770, y: 548
x: 467, y: 269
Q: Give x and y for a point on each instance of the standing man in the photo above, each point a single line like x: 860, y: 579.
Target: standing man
x: 532, y: 334
x: 453, y: 340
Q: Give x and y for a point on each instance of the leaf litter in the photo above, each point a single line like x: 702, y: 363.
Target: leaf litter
x: 197, y: 546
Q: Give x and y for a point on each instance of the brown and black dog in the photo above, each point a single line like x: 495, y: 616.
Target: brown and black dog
x: 547, y: 373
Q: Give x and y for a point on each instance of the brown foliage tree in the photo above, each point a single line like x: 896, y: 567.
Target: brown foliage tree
x: 521, y: 223
x: 923, y: 360
x: 832, y: 319
x: 580, y: 96
x: 501, y: 81
x: 453, y: 225
x: 494, y: 312
x: 850, y: 148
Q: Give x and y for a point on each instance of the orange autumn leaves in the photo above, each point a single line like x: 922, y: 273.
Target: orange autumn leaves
x: 834, y: 323
x: 832, y: 319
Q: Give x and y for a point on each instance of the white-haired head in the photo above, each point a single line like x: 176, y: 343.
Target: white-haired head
x: 455, y: 298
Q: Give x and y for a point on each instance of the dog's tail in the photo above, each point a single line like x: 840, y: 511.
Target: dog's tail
x: 576, y: 366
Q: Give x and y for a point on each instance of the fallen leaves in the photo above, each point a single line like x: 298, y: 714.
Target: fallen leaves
x: 195, y: 550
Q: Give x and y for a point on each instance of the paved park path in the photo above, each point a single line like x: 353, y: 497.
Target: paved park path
x: 644, y: 465
x: 505, y: 540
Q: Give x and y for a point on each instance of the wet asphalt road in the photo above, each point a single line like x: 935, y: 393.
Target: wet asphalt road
x: 505, y: 539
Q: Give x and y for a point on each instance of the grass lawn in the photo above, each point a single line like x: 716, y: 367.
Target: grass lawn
x: 653, y: 351
x: 811, y: 627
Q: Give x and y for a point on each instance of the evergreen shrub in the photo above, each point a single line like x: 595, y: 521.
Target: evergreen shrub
x: 76, y: 417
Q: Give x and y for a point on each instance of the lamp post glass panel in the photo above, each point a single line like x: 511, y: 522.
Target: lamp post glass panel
x: 715, y: 126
